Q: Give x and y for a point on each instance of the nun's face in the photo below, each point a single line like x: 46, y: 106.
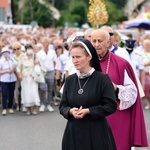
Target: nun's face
x: 80, y: 59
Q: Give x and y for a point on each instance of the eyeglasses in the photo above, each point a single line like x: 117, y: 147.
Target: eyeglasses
x: 16, y: 49
x: 111, y: 34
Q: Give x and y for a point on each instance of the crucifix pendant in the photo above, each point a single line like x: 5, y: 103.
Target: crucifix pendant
x: 80, y: 91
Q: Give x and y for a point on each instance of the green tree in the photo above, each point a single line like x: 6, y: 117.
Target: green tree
x: 75, y: 11
x: 33, y: 10
x: 79, y: 13
x: 115, y: 15
x: 71, y: 11
x: 118, y: 3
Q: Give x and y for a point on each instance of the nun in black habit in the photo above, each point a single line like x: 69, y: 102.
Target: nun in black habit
x: 88, y: 97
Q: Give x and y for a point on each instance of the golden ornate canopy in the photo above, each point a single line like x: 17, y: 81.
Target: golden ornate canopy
x: 97, y: 12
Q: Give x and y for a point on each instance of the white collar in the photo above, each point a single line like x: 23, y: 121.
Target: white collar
x: 84, y: 75
x: 112, y: 47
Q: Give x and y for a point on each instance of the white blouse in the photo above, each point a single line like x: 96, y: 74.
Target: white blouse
x: 25, y: 66
x: 7, y: 64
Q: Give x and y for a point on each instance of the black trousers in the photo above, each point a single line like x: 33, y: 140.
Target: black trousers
x: 7, y: 94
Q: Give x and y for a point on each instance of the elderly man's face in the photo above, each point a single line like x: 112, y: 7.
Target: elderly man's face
x: 100, y: 42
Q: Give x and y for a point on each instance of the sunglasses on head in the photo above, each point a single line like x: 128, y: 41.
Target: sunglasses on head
x: 111, y: 34
x: 16, y: 49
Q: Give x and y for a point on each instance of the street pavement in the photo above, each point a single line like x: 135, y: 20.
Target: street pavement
x: 41, y: 132
x: 147, y: 120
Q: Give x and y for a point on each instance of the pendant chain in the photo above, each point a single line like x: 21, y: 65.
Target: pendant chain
x: 84, y: 83
x: 108, y: 63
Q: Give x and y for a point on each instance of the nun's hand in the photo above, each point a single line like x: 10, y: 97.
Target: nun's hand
x: 82, y: 112
x: 73, y: 111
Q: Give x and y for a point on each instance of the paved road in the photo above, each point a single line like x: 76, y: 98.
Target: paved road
x: 147, y: 120
x: 41, y: 132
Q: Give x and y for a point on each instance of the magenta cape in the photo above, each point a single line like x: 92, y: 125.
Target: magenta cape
x: 128, y: 126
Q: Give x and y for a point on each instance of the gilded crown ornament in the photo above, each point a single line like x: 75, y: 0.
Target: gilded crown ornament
x: 97, y: 12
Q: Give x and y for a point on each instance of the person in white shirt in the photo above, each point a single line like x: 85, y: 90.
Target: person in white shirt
x: 46, y: 89
x: 136, y: 60
x: 60, y: 64
x: 8, y: 80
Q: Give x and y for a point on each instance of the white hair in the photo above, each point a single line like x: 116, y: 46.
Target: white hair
x: 104, y: 31
x: 40, y: 46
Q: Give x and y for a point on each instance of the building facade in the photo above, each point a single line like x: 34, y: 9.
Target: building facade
x: 5, y: 12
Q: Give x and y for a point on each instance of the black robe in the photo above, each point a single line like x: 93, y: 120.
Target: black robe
x: 92, y: 132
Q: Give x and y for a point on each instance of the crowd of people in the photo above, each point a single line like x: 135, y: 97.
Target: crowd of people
x: 22, y: 53
x: 98, y: 84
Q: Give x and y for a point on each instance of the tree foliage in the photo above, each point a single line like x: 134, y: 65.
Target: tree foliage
x: 115, y: 15
x: 79, y: 13
x: 72, y: 11
x: 76, y: 12
x: 33, y: 11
